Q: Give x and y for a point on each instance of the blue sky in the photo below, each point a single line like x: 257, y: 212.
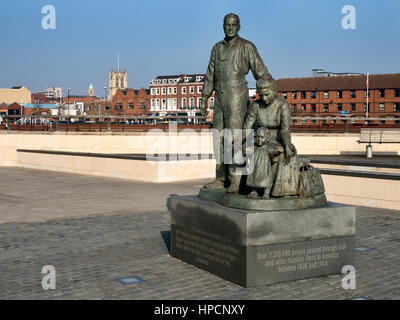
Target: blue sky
x: 155, y: 37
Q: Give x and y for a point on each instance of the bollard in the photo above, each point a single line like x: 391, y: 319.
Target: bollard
x: 369, y: 151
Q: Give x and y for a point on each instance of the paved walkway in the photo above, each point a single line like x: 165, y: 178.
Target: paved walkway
x: 93, y: 230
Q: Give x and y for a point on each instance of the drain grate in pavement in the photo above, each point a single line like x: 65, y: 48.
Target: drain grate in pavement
x: 363, y: 249
x: 130, y: 280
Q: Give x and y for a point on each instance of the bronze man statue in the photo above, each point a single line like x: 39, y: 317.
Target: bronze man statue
x: 230, y: 61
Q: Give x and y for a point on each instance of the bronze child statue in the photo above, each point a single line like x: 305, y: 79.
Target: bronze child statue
x: 265, y: 159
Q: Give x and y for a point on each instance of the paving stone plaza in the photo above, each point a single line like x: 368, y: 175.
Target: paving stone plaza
x: 96, y: 230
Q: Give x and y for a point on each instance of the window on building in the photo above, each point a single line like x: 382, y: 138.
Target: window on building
x: 198, y: 102
x: 170, y: 90
x: 142, y: 105
x: 183, y: 90
x: 383, y: 121
x: 294, y: 120
x: 339, y: 94
x: 396, y: 107
x: 323, y: 121
x: 174, y: 90
x: 191, y: 89
x: 183, y: 103
x: 158, y: 103
x: 326, y: 94
x: 352, y: 93
x: 365, y: 107
x: 313, y: 94
x: 199, y: 88
x: 352, y: 106
x: 284, y: 95
x: 163, y: 103
x: 294, y: 108
x: 326, y: 107
x: 397, y: 93
x: 294, y: 95
x: 153, y: 103
x: 303, y: 107
x: 381, y: 93
x: 118, y: 107
x: 153, y: 91
x: 191, y: 103
x: 164, y: 91
x: 130, y: 106
x: 381, y: 107
x: 211, y: 104
x: 108, y: 108
x: 339, y: 107
x: 303, y: 120
x: 366, y: 93
x: 313, y: 121
x: 313, y: 108
x: 303, y: 94
x: 157, y: 90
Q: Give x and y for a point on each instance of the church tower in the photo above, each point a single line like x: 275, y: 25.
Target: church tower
x: 117, y: 80
x: 91, y: 90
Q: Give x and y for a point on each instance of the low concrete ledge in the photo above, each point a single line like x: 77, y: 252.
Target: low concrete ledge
x: 141, y: 157
x: 132, y: 167
x: 360, y: 174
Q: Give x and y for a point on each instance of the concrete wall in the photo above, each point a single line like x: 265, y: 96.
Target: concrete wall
x: 183, y: 142
x: 377, y: 193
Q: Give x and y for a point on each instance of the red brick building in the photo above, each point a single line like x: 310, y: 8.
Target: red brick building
x: 131, y: 102
x: 342, y: 95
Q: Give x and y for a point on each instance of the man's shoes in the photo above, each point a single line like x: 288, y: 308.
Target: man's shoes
x: 216, y: 184
x: 253, y: 195
x: 233, y: 188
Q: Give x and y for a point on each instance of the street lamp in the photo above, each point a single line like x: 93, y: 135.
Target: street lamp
x: 105, y: 99
x: 69, y: 89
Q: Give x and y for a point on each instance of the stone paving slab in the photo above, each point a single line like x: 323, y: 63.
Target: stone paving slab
x: 88, y: 253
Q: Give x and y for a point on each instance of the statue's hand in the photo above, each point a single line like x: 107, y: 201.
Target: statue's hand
x: 203, y: 108
x: 290, y: 150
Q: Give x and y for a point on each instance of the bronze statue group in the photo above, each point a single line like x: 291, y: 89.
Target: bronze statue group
x: 277, y: 170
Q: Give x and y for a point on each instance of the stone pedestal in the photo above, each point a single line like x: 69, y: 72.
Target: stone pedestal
x: 253, y: 248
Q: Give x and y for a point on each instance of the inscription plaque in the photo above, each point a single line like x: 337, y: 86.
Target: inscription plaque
x: 220, y: 257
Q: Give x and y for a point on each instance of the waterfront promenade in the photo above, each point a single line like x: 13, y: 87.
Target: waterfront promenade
x: 94, y: 230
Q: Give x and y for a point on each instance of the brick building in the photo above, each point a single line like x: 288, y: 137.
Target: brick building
x: 11, y: 109
x: 178, y: 94
x: 342, y: 95
x: 131, y: 102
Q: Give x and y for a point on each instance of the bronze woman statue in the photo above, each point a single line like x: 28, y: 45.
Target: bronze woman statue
x: 280, y: 177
